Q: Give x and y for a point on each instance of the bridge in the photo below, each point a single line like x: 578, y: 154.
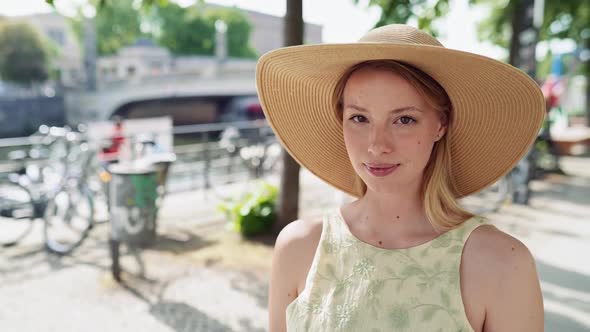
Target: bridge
x: 184, y: 94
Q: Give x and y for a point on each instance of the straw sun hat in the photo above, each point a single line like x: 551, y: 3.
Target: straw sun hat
x: 497, y: 109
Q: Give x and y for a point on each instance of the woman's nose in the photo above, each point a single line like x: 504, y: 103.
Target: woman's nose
x: 379, y: 143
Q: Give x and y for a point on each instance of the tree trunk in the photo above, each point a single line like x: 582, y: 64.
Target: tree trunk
x: 288, y: 204
x: 516, y: 25
x: 524, y: 38
x: 587, y: 84
x: 588, y: 99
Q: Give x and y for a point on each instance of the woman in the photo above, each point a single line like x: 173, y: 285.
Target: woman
x: 408, y: 127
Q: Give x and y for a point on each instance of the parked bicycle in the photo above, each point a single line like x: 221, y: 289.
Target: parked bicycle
x: 55, y: 192
x: 257, y: 155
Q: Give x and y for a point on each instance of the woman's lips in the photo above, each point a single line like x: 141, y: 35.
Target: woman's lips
x: 380, y: 170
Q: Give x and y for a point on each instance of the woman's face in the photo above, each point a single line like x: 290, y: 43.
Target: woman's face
x: 389, y: 130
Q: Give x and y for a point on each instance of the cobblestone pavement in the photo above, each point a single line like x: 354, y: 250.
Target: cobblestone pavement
x: 200, y: 278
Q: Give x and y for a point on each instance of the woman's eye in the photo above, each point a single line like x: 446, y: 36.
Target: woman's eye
x: 358, y: 118
x: 406, y: 120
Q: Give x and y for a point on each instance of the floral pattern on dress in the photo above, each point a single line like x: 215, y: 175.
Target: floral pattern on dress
x: 354, y: 286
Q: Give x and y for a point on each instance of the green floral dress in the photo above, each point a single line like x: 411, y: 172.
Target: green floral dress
x: 354, y: 286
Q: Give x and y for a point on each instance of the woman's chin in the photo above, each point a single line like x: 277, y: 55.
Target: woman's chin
x: 389, y: 186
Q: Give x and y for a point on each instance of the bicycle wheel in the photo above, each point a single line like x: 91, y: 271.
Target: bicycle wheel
x: 68, y: 218
x: 17, y: 213
x: 98, y: 187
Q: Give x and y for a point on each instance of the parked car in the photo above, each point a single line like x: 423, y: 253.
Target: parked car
x: 244, y: 108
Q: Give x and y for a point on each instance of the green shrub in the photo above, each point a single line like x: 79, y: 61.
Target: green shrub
x: 255, y: 212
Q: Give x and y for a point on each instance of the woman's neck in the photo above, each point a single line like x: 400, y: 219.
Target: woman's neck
x: 400, y: 213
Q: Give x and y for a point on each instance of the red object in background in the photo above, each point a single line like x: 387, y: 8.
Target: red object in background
x: 111, y: 153
x: 552, y: 90
x: 254, y: 111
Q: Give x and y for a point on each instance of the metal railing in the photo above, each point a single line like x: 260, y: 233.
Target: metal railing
x: 203, y: 159
x: 212, y: 161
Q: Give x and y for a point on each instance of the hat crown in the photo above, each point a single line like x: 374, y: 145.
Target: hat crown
x: 399, y: 34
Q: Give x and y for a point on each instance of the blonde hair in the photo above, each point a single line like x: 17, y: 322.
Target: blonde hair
x: 439, y: 192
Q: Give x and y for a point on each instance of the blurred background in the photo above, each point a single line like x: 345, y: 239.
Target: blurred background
x: 142, y: 189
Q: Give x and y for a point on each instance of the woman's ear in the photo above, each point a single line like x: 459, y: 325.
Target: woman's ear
x: 442, y: 130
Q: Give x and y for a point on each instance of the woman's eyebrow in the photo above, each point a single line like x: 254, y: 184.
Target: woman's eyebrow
x: 397, y: 110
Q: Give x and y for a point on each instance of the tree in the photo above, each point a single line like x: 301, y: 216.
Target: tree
x: 117, y: 25
x: 392, y: 12
x: 192, y: 30
x: 289, y: 193
x: 561, y: 19
x: 425, y: 12
x: 23, y: 56
x: 566, y: 19
x: 238, y: 30
x: 570, y: 20
x: 183, y: 31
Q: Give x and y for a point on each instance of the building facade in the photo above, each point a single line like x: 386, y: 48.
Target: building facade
x: 144, y: 58
x: 56, y: 28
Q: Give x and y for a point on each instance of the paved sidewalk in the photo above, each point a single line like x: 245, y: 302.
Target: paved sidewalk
x: 199, y: 278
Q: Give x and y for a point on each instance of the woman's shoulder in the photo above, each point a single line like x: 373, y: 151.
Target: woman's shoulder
x: 299, y: 238
x: 501, y: 269
x: 489, y: 244
x: 292, y: 256
x: 500, y: 282
x: 300, y: 234
x: 295, y: 249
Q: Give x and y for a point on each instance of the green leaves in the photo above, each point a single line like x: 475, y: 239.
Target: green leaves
x: 253, y: 213
x: 192, y: 30
x: 442, y: 241
x: 455, y: 250
x: 390, y: 271
x: 184, y: 31
x: 403, y: 11
x: 412, y: 270
x: 445, y: 298
x: 331, y: 272
x: 375, y: 286
x: 562, y: 19
x: 428, y: 313
x: 399, y: 317
x: 117, y: 24
x: 24, y: 58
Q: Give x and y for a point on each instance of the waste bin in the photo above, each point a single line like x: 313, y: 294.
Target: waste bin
x: 133, y: 193
x: 162, y: 162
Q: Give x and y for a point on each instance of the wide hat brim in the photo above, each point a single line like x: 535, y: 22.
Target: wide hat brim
x: 498, y: 109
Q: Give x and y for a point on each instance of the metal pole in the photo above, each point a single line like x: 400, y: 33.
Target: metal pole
x: 207, y: 153
x: 90, y: 49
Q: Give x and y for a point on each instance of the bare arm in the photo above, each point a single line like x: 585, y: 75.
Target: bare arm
x: 518, y: 303
x: 292, y: 257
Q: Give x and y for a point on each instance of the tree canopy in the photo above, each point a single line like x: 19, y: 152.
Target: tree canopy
x: 184, y: 31
x: 192, y: 30
x: 24, y: 58
x: 425, y: 12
